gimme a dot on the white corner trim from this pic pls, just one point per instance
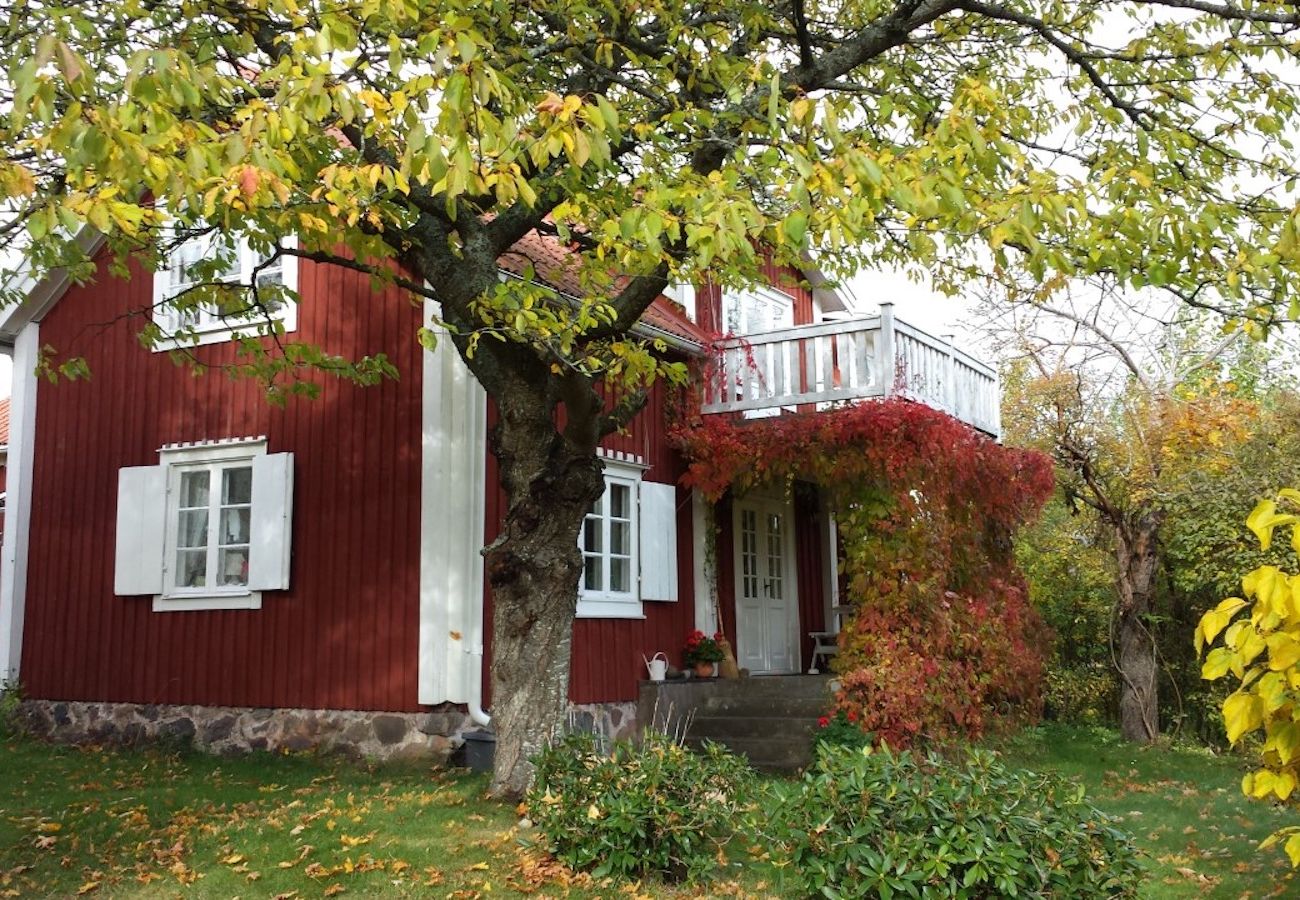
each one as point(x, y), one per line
point(706, 616)
point(453, 499)
point(18, 514)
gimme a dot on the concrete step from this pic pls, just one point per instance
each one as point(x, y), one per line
point(767, 754)
point(723, 728)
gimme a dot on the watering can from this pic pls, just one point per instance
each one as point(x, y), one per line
point(656, 665)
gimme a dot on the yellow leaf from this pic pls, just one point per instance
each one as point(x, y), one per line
point(1292, 848)
point(87, 888)
point(49, 827)
point(1242, 713)
point(1283, 651)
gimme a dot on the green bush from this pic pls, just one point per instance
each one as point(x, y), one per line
point(11, 698)
point(632, 810)
point(866, 823)
point(841, 730)
point(1083, 695)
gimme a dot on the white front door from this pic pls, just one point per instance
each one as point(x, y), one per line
point(767, 617)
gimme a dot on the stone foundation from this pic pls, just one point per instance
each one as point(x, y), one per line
point(615, 721)
point(428, 736)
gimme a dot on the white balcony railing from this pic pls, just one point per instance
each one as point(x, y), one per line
point(813, 366)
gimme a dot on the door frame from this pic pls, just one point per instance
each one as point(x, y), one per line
point(766, 499)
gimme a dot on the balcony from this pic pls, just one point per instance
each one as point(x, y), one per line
point(817, 366)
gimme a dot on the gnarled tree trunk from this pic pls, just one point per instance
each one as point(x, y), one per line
point(1135, 646)
point(551, 479)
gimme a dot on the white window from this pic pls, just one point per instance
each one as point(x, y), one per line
point(214, 321)
point(629, 545)
point(756, 311)
point(207, 528)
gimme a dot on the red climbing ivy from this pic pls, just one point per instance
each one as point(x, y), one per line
point(943, 641)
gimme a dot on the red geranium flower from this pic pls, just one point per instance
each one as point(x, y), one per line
point(823, 722)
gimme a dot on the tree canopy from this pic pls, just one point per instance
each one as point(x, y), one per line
point(661, 141)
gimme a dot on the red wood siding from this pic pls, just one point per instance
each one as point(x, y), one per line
point(345, 635)
point(607, 653)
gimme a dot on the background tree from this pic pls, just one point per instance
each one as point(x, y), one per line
point(1159, 426)
point(418, 141)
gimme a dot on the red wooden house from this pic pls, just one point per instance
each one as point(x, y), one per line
point(183, 558)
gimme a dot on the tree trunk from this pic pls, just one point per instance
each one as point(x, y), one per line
point(1135, 551)
point(551, 479)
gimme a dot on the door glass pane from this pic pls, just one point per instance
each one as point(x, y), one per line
point(194, 489)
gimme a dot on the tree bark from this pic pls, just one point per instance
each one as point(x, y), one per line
point(1135, 551)
point(551, 479)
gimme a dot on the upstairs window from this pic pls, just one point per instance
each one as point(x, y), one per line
point(237, 263)
point(756, 311)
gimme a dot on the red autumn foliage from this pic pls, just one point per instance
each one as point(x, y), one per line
point(943, 641)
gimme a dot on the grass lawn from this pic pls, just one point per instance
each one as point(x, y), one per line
point(148, 824)
point(1183, 805)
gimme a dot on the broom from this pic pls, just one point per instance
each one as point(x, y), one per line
point(728, 667)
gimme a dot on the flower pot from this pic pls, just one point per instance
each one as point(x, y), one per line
point(704, 670)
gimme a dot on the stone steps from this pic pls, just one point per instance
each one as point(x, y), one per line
point(768, 719)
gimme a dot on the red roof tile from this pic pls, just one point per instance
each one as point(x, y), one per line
point(555, 266)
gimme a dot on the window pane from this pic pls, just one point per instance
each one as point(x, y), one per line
point(191, 568)
point(592, 579)
point(232, 566)
point(237, 486)
point(591, 535)
point(235, 525)
point(192, 528)
point(620, 575)
point(194, 489)
point(620, 538)
point(620, 498)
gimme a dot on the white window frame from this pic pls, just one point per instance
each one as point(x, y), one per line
point(212, 328)
point(215, 458)
point(608, 604)
point(734, 308)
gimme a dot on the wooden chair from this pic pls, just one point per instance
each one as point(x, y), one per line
point(827, 643)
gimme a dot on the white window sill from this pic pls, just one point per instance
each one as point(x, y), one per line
point(221, 334)
point(609, 609)
point(197, 602)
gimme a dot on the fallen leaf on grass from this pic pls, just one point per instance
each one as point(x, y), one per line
point(334, 889)
point(87, 888)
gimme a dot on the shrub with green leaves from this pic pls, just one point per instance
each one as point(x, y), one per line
point(631, 810)
point(873, 823)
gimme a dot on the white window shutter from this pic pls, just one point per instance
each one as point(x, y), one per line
point(658, 541)
point(272, 521)
point(141, 530)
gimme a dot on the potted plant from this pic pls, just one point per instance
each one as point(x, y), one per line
point(702, 653)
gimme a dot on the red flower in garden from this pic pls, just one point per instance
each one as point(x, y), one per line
point(823, 722)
